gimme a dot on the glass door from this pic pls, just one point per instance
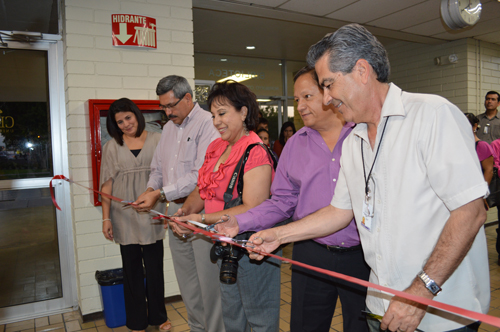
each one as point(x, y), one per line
point(36, 248)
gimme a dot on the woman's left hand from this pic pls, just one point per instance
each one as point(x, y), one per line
point(179, 229)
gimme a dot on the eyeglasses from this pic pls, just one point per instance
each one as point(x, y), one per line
point(170, 106)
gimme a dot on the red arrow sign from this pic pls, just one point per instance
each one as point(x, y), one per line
point(126, 26)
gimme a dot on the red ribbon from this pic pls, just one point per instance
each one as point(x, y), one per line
point(62, 177)
point(491, 320)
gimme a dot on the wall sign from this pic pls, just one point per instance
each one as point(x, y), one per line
point(133, 30)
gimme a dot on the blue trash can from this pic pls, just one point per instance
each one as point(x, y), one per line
point(113, 300)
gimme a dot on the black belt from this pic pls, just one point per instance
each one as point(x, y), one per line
point(339, 249)
point(179, 200)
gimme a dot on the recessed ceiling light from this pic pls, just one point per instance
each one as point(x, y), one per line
point(250, 47)
point(223, 59)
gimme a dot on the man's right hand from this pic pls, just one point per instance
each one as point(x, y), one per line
point(265, 241)
point(229, 228)
point(146, 200)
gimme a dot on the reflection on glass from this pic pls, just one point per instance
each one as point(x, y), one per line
point(29, 252)
point(25, 147)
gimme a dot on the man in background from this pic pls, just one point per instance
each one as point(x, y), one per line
point(489, 121)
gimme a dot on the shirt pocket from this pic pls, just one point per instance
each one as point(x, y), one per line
point(188, 156)
point(495, 131)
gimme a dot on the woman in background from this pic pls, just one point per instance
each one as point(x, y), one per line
point(483, 150)
point(287, 131)
point(125, 169)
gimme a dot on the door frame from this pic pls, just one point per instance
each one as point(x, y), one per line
point(53, 45)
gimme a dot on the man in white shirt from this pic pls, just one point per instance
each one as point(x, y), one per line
point(411, 178)
point(174, 174)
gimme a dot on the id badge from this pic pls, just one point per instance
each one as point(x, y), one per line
point(367, 214)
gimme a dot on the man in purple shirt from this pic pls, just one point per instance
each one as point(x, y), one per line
point(304, 183)
point(174, 173)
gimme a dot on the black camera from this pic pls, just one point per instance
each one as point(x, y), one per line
point(230, 256)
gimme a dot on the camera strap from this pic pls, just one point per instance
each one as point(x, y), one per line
point(239, 171)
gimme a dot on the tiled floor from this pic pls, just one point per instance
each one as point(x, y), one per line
point(72, 321)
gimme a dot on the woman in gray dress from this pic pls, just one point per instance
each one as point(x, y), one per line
point(125, 169)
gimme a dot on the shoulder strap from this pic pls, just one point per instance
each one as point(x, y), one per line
point(239, 170)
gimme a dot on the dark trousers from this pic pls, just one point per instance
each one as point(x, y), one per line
point(141, 313)
point(314, 295)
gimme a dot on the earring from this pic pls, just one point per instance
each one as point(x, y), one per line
point(245, 128)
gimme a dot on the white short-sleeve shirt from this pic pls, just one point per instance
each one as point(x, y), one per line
point(427, 166)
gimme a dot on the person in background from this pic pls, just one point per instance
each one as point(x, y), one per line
point(483, 149)
point(303, 185)
point(489, 121)
point(174, 171)
point(287, 131)
point(264, 137)
point(489, 131)
point(124, 169)
point(263, 124)
point(254, 300)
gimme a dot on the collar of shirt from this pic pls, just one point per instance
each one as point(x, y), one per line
point(189, 116)
point(483, 115)
point(309, 131)
point(392, 107)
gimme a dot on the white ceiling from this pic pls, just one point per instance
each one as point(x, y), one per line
point(284, 29)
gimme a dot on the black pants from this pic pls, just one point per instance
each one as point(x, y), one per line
point(314, 295)
point(141, 313)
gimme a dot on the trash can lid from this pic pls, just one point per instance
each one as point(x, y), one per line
point(109, 277)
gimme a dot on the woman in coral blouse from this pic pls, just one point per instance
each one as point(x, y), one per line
point(255, 297)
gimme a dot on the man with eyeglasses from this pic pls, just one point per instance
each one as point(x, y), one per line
point(174, 173)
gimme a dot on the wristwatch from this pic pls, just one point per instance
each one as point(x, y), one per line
point(429, 283)
point(163, 198)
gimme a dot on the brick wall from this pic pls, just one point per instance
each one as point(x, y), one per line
point(95, 69)
point(464, 83)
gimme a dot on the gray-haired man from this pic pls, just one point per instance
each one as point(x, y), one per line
point(174, 173)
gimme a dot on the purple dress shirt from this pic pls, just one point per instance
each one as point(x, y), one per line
point(305, 181)
point(181, 152)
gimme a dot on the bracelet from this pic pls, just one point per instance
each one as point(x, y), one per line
point(106, 219)
point(203, 218)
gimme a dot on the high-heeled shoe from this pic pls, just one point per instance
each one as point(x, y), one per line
point(166, 326)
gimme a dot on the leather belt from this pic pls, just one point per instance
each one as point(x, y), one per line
point(179, 200)
point(339, 249)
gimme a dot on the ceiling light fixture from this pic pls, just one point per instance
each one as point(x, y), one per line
point(223, 60)
point(250, 47)
point(237, 78)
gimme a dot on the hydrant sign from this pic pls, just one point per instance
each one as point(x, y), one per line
point(133, 30)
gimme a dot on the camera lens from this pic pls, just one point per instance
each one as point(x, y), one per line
point(229, 270)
